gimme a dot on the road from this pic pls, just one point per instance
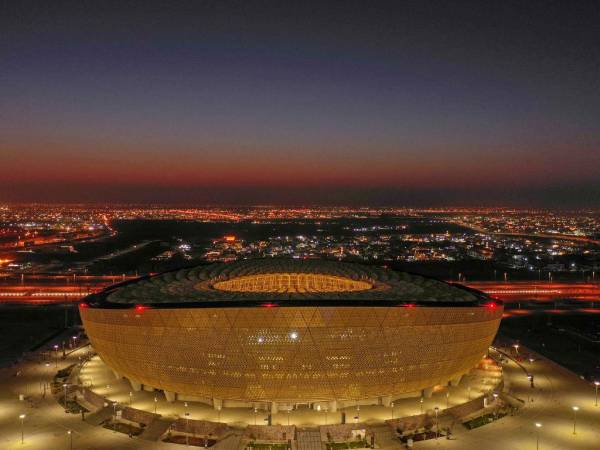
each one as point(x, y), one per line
point(557, 236)
point(60, 289)
point(38, 289)
point(538, 290)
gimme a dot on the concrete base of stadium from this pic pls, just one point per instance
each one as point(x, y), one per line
point(103, 381)
point(275, 407)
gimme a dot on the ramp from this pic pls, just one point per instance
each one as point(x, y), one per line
point(156, 429)
point(231, 442)
point(99, 416)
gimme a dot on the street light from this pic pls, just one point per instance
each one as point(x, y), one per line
point(575, 409)
point(187, 428)
point(47, 378)
point(596, 383)
point(495, 394)
point(130, 398)
point(437, 423)
point(22, 417)
point(114, 417)
point(66, 386)
point(537, 438)
point(56, 355)
point(70, 434)
point(155, 402)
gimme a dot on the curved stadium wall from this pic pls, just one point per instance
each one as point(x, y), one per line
point(273, 331)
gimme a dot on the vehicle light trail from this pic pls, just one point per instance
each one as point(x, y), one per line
point(528, 290)
point(39, 288)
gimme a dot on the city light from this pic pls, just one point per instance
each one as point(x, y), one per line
point(352, 211)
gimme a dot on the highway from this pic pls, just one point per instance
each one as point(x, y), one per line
point(46, 289)
point(557, 236)
point(538, 290)
point(69, 288)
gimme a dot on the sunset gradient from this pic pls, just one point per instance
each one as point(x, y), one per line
point(347, 102)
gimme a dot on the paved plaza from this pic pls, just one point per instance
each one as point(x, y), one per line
point(46, 425)
point(102, 381)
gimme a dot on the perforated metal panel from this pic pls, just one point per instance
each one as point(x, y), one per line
point(292, 353)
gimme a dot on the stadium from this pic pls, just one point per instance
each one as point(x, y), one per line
point(281, 333)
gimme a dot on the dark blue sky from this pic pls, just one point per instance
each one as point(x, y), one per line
point(298, 102)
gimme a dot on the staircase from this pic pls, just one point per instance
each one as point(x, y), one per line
point(309, 440)
point(384, 436)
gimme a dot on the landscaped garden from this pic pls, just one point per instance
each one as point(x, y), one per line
point(124, 428)
point(482, 420)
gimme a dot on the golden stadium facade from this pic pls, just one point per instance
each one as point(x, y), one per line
point(284, 332)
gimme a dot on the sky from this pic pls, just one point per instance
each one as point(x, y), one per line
point(414, 103)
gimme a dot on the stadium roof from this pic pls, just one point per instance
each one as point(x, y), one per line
point(284, 282)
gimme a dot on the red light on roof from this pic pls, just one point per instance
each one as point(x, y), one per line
point(83, 305)
point(269, 305)
point(491, 305)
point(141, 308)
point(409, 305)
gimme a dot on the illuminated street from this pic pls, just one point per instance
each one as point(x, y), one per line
point(47, 289)
point(60, 289)
point(538, 291)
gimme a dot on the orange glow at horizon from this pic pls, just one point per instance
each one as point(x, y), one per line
point(238, 166)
